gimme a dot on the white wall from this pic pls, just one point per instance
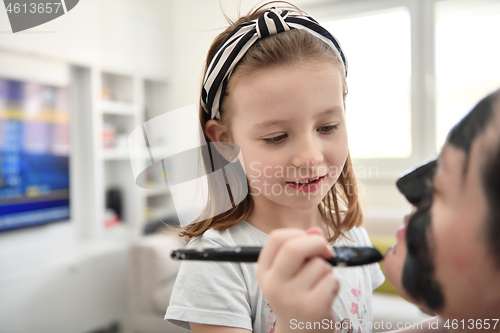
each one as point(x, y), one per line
point(121, 34)
point(49, 280)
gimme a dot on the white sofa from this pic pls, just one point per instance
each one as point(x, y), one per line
point(151, 279)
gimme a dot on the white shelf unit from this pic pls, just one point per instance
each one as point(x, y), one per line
point(117, 108)
point(158, 202)
point(122, 102)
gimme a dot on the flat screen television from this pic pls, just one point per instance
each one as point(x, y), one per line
point(34, 154)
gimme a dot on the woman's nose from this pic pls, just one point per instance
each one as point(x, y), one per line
point(416, 185)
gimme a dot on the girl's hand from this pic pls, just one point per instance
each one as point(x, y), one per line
point(298, 283)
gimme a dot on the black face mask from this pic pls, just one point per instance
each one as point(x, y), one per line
point(417, 186)
point(418, 271)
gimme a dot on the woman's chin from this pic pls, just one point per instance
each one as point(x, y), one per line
point(393, 265)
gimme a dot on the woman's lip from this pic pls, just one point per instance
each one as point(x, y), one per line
point(401, 233)
point(407, 219)
point(391, 249)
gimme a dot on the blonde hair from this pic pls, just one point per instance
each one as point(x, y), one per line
point(285, 48)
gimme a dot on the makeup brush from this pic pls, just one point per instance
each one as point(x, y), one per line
point(343, 255)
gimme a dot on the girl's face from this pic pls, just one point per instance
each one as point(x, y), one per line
point(289, 123)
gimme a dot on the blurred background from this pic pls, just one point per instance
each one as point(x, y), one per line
point(83, 249)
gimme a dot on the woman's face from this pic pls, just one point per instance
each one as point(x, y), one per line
point(289, 123)
point(442, 260)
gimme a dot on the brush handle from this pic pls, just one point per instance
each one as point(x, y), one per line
point(344, 255)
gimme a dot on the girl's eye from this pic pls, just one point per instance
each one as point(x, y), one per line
point(328, 128)
point(276, 139)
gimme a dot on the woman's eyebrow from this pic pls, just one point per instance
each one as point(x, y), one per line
point(268, 123)
point(463, 168)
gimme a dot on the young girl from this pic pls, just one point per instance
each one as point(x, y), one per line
point(275, 85)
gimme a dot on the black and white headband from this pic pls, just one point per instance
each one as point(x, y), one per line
point(235, 46)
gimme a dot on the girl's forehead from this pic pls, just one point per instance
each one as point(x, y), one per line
point(298, 82)
point(308, 65)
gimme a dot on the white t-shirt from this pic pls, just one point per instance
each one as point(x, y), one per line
point(227, 293)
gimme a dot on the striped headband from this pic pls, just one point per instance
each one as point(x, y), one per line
point(238, 42)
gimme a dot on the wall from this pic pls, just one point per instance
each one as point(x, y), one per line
point(118, 34)
point(51, 280)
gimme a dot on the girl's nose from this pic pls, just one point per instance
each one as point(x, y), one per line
point(307, 153)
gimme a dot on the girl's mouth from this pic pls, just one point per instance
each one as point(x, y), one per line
point(310, 186)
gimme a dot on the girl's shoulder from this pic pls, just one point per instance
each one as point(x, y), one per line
point(242, 234)
point(359, 235)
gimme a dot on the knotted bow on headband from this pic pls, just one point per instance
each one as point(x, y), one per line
point(235, 46)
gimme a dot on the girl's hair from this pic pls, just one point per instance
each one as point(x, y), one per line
point(282, 49)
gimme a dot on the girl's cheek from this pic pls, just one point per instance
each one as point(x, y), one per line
point(338, 157)
point(256, 175)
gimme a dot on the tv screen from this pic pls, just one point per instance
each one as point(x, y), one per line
point(34, 154)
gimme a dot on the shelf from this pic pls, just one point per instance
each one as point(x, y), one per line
point(159, 153)
point(117, 108)
point(124, 102)
point(156, 192)
point(159, 213)
point(115, 154)
point(118, 232)
point(117, 87)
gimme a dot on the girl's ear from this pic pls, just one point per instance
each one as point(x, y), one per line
point(215, 131)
